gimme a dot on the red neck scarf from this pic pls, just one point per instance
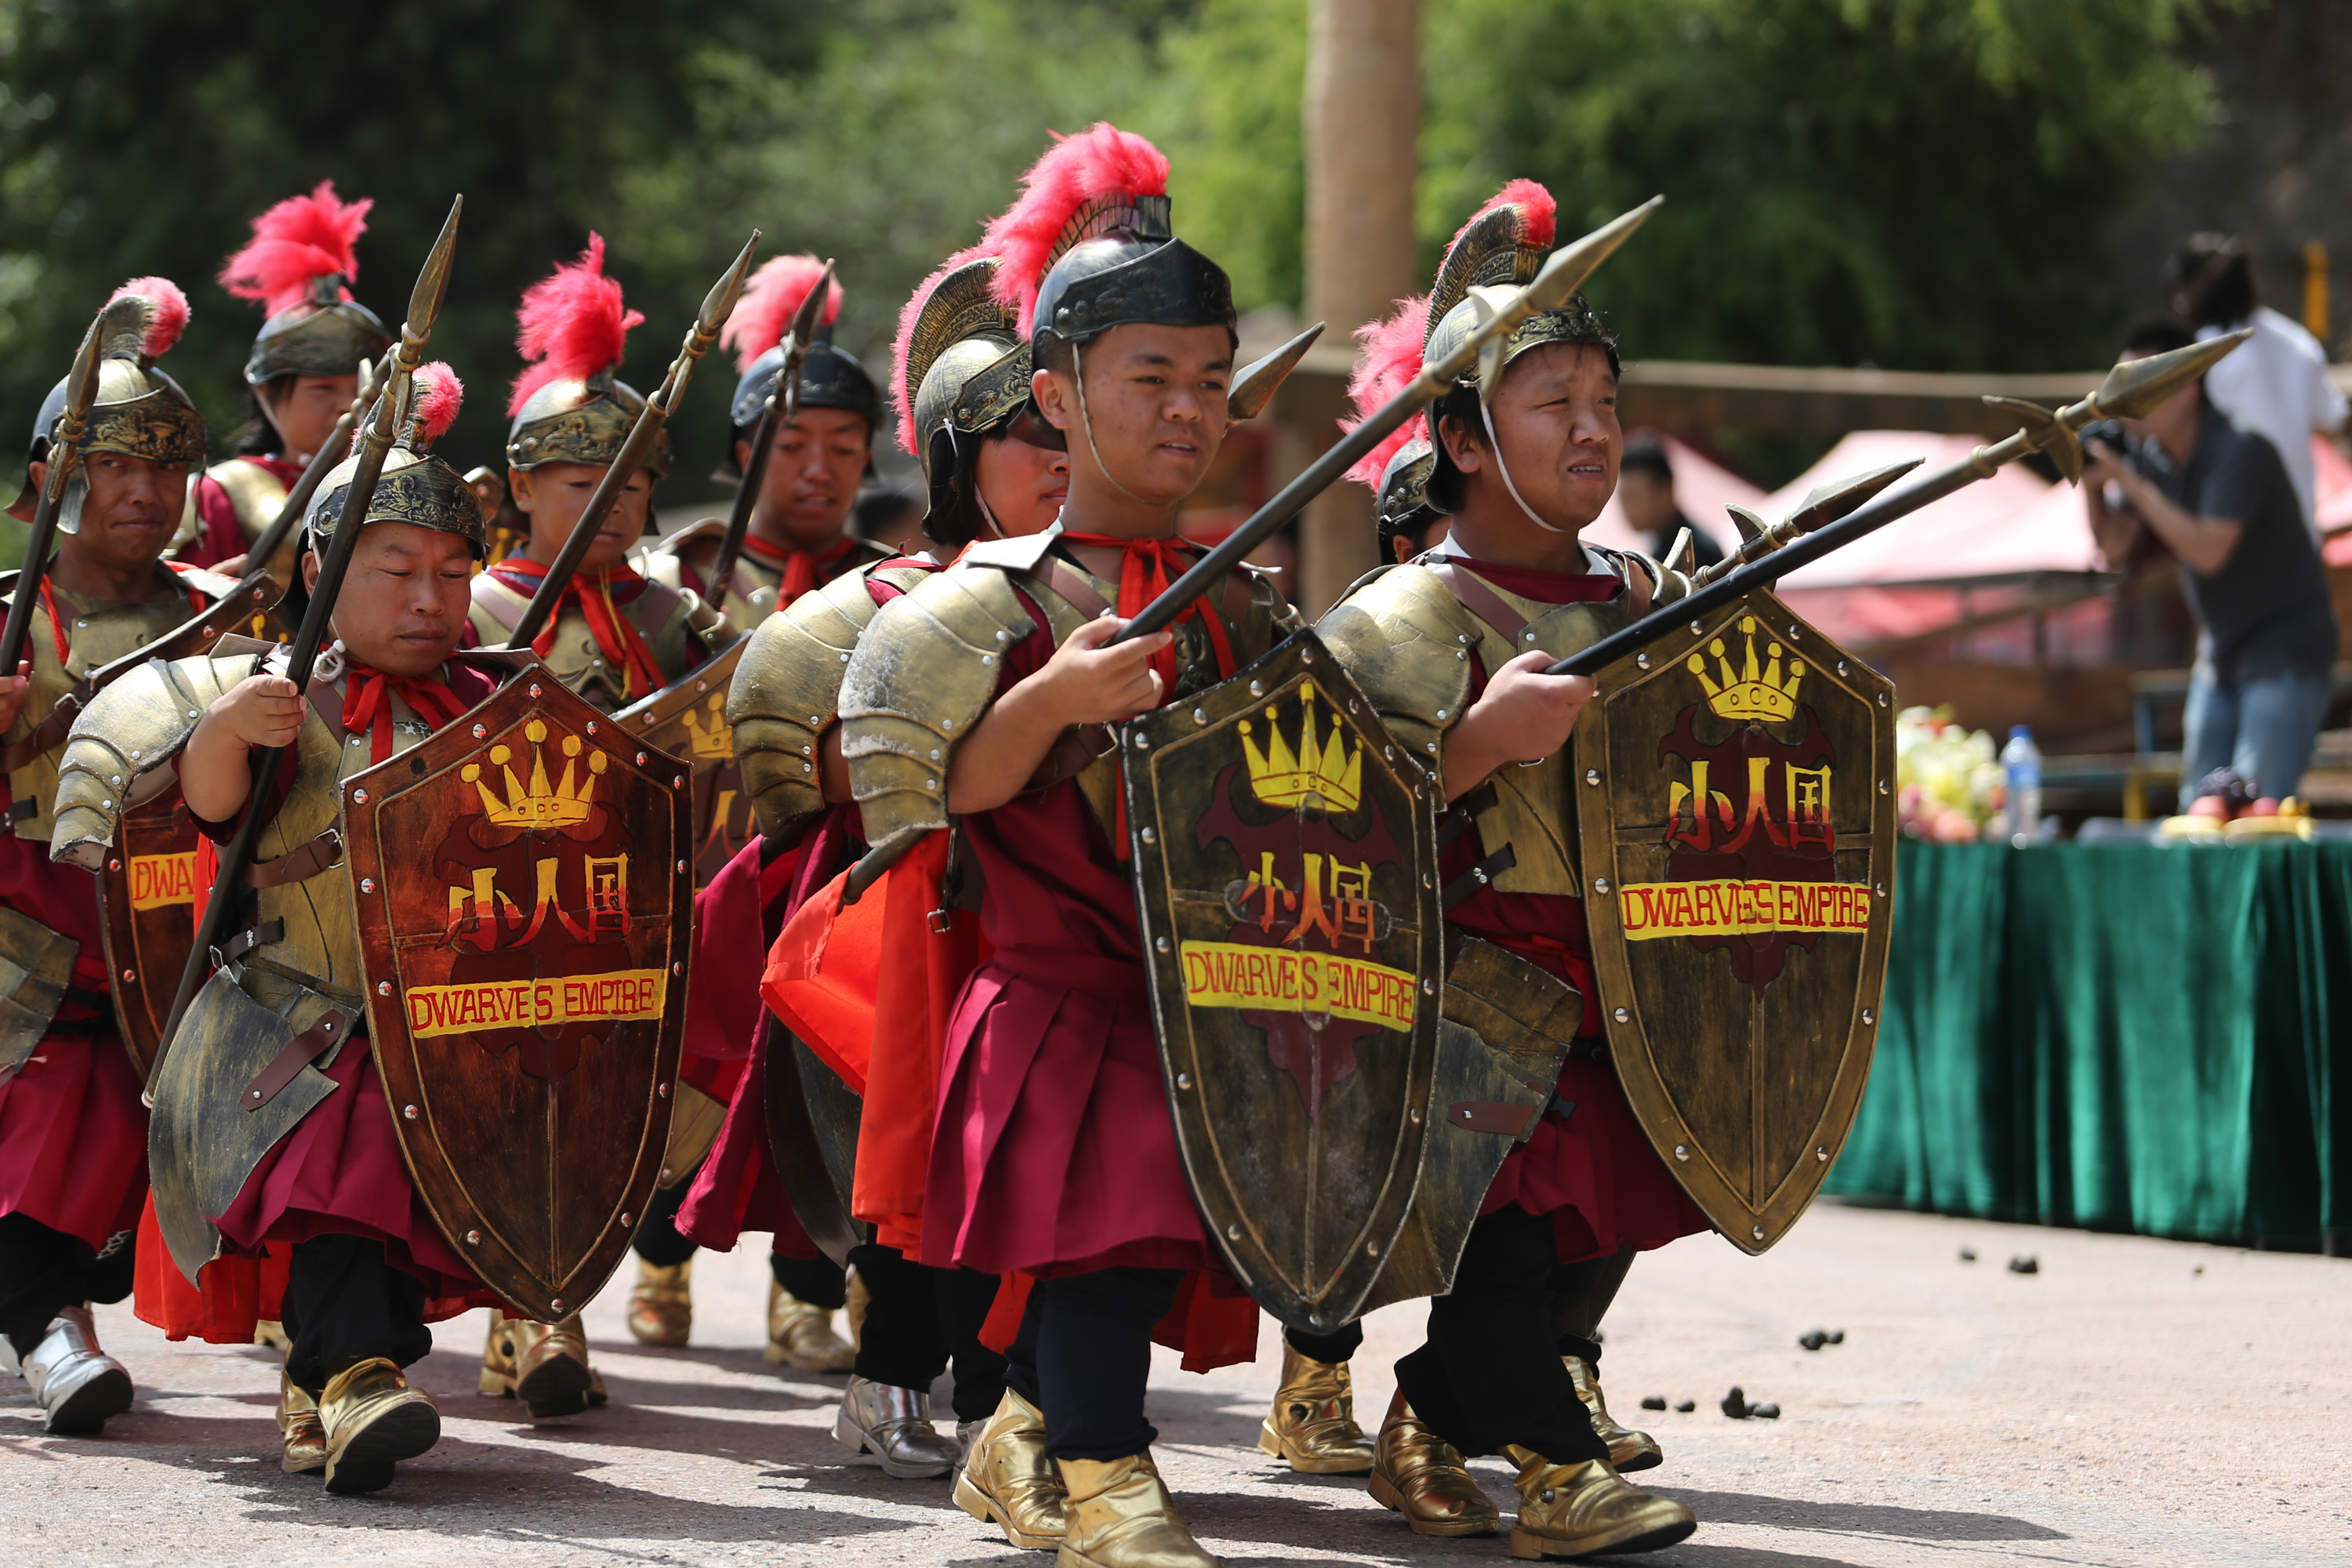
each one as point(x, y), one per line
point(1146, 567)
point(367, 704)
point(616, 635)
point(800, 567)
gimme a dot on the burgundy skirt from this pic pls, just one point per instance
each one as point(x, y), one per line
point(340, 1173)
point(73, 1139)
point(738, 1189)
point(1055, 1151)
point(1597, 1177)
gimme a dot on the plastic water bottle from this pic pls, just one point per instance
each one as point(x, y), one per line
point(2021, 766)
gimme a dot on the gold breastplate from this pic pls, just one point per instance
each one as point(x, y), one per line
point(661, 616)
point(257, 496)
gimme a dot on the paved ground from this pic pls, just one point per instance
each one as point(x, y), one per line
point(2135, 1402)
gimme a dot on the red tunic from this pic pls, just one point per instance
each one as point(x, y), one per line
point(1596, 1174)
point(221, 537)
point(1055, 1152)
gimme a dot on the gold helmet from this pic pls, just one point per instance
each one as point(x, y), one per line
point(298, 265)
point(568, 406)
point(963, 374)
point(141, 412)
point(415, 486)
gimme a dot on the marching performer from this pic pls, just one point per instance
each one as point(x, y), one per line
point(1451, 647)
point(304, 1153)
point(798, 537)
point(303, 370)
point(981, 693)
point(73, 1135)
point(961, 387)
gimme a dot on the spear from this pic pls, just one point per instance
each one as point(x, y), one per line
point(717, 306)
point(2131, 390)
point(1562, 275)
point(392, 407)
point(65, 451)
point(782, 402)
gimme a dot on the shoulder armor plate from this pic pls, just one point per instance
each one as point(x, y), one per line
point(115, 749)
point(922, 675)
point(787, 692)
point(1406, 641)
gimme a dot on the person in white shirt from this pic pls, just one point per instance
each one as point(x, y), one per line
point(2276, 385)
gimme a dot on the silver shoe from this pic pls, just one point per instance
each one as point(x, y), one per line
point(77, 1384)
point(894, 1425)
point(967, 1434)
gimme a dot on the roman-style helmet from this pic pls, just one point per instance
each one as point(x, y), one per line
point(301, 264)
point(140, 411)
point(960, 374)
point(1503, 245)
point(1088, 247)
point(567, 406)
point(831, 376)
point(417, 487)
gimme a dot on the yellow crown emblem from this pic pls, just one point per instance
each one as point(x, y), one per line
point(709, 736)
point(1319, 773)
point(538, 804)
point(1750, 691)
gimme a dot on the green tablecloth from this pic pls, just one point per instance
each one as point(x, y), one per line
point(2118, 1036)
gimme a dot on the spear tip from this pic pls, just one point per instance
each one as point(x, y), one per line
point(2135, 386)
point(1572, 264)
point(433, 281)
point(719, 303)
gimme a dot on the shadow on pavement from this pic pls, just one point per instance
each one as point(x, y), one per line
point(1858, 1519)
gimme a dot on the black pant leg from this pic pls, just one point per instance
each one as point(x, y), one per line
point(44, 1271)
point(344, 1302)
point(1340, 1345)
point(1490, 1373)
point(657, 1240)
point(818, 1280)
point(901, 1343)
point(1021, 1355)
point(963, 1296)
point(1094, 1359)
point(1581, 1297)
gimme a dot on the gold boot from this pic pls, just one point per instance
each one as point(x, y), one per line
point(543, 1365)
point(1576, 1511)
point(661, 1306)
point(1007, 1479)
point(305, 1435)
point(1313, 1422)
point(374, 1420)
point(1628, 1449)
point(1120, 1516)
point(801, 1336)
point(271, 1333)
point(855, 1300)
point(1425, 1478)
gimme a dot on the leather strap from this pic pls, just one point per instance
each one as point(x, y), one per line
point(321, 854)
point(1462, 813)
point(293, 1056)
point(244, 942)
point(328, 704)
point(1081, 593)
point(1478, 879)
point(1489, 1116)
point(50, 732)
point(1481, 600)
point(23, 810)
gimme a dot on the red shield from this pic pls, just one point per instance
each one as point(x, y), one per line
point(688, 718)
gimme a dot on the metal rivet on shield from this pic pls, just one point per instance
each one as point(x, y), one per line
point(698, 686)
point(557, 1303)
point(1429, 987)
point(472, 1238)
point(1161, 944)
point(1821, 1152)
point(628, 1218)
point(1840, 667)
point(1868, 1017)
point(1149, 836)
point(1371, 1249)
point(384, 987)
point(1756, 1231)
point(1698, 629)
point(1642, 660)
point(677, 969)
point(1881, 700)
point(114, 865)
point(1882, 889)
point(534, 689)
point(592, 726)
point(1183, 1080)
point(1257, 689)
point(681, 865)
point(367, 884)
point(1233, 1233)
point(1882, 787)
point(679, 782)
point(1623, 1016)
point(360, 796)
point(1599, 884)
point(1200, 716)
point(641, 758)
point(130, 974)
point(1413, 1116)
point(409, 1111)
point(1795, 633)
point(1143, 743)
point(1682, 1151)
point(1306, 655)
point(644, 718)
point(662, 1089)
point(1592, 775)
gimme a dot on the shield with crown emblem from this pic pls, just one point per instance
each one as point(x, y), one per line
point(1286, 861)
point(1738, 832)
point(688, 718)
point(525, 894)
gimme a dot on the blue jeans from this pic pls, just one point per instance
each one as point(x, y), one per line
point(2263, 728)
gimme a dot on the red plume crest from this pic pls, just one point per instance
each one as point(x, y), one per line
point(573, 325)
point(1388, 357)
point(1538, 213)
point(167, 313)
point(1101, 162)
point(300, 240)
point(439, 395)
point(903, 344)
point(772, 297)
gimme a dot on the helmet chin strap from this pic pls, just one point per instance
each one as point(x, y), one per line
point(1495, 445)
point(1087, 423)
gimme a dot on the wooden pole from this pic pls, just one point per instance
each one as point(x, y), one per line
point(1362, 132)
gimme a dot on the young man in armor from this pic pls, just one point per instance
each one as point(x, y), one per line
point(798, 538)
point(976, 694)
point(1452, 647)
point(73, 1134)
point(306, 1158)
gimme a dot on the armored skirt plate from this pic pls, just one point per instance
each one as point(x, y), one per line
point(525, 898)
point(1285, 857)
point(1738, 832)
